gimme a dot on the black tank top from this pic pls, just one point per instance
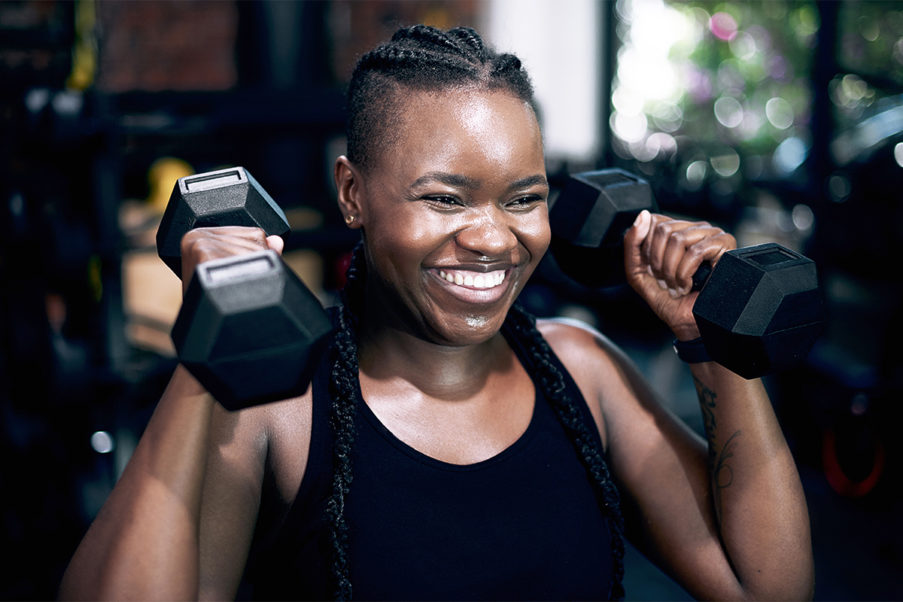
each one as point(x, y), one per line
point(522, 525)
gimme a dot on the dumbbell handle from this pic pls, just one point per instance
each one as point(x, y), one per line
point(701, 276)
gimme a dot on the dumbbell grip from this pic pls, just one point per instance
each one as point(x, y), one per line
point(220, 271)
point(701, 275)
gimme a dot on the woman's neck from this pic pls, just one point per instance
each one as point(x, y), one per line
point(437, 370)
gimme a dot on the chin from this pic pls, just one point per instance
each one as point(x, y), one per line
point(469, 330)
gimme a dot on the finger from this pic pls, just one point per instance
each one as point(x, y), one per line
point(666, 236)
point(276, 243)
point(681, 242)
point(709, 249)
point(634, 239)
point(251, 235)
point(224, 237)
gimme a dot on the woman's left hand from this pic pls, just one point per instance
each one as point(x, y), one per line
point(660, 256)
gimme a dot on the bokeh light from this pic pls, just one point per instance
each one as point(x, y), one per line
point(102, 442)
point(728, 112)
point(779, 113)
point(710, 74)
point(723, 26)
point(726, 163)
point(789, 155)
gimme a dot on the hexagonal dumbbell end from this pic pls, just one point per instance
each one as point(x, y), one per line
point(249, 330)
point(227, 197)
point(761, 309)
point(589, 219)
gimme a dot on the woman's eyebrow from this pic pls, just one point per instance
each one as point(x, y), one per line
point(538, 179)
point(450, 179)
point(462, 181)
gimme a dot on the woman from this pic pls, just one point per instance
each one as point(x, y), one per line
point(448, 447)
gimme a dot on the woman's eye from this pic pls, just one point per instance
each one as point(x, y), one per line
point(444, 200)
point(525, 202)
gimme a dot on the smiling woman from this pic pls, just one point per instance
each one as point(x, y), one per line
point(451, 446)
point(471, 204)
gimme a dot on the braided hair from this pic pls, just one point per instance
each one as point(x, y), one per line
point(424, 58)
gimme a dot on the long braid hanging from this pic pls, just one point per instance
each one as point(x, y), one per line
point(343, 386)
point(552, 382)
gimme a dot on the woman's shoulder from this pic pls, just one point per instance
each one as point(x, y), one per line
point(604, 374)
point(576, 341)
point(267, 438)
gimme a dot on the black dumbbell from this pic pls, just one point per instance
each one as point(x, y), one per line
point(248, 329)
point(759, 311)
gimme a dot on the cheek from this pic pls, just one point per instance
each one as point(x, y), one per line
point(409, 230)
point(536, 234)
point(400, 243)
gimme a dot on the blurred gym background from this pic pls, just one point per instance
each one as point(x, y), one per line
point(779, 120)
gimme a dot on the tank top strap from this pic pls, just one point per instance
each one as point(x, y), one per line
point(516, 337)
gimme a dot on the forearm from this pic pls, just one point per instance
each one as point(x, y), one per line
point(144, 542)
point(758, 500)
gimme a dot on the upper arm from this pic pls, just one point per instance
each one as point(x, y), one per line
point(231, 496)
point(659, 463)
point(244, 446)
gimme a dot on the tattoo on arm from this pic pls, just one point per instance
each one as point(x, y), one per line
point(707, 399)
point(722, 474)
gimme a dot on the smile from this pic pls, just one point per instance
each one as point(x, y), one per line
point(474, 280)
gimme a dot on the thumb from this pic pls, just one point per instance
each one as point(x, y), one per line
point(633, 240)
point(276, 243)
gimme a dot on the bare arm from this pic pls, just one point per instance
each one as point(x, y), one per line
point(757, 546)
point(733, 522)
point(193, 484)
point(758, 501)
point(144, 541)
point(726, 518)
point(179, 523)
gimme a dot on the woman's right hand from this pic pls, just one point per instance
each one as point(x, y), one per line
point(204, 244)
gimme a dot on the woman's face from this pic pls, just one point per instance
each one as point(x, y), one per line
point(455, 214)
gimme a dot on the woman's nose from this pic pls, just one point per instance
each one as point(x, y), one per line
point(488, 233)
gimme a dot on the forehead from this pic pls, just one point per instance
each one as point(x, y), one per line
point(456, 127)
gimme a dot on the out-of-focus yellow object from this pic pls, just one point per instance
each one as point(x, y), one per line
point(84, 50)
point(161, 177)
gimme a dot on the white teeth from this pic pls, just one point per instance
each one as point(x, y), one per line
point(481, 281)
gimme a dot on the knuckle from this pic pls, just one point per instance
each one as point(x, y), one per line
point(189, 241)
point(663, 228)
point(678, 238)
point(696, 251)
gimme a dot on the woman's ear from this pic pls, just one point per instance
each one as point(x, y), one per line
point(349, 187)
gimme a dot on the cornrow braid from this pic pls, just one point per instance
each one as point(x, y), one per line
point(424, 33)
point(551, 381)
point(471, 38)
point(420, 58)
